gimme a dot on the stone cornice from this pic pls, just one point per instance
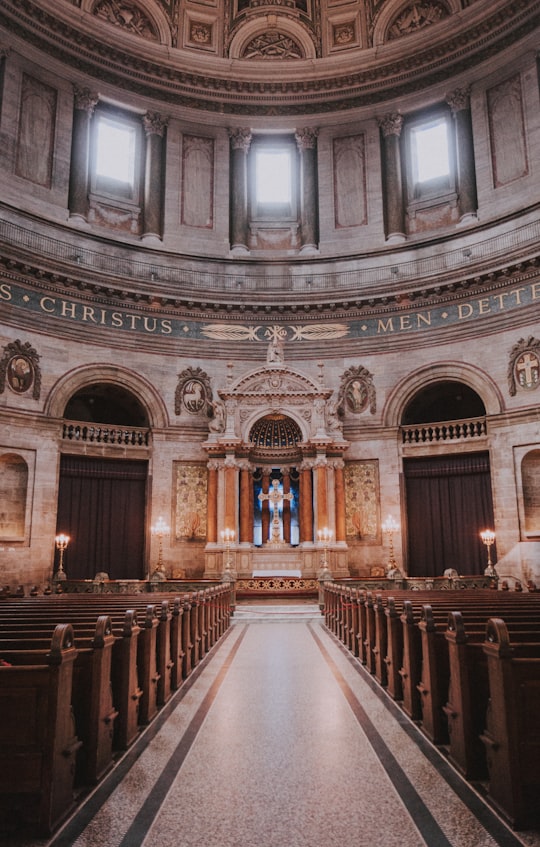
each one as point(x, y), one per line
point(161, 73)
point(480, 285)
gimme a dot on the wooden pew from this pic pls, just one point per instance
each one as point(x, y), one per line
point(512, 733)
point(468, 688)
point(38, 742)
point(92, 698)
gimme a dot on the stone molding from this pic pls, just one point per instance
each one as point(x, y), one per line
point(169, 78)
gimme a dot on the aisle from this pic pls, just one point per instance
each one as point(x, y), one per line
point(282, 740)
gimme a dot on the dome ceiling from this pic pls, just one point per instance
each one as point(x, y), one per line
point(221, 55)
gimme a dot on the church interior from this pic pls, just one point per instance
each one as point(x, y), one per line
point(270, 402)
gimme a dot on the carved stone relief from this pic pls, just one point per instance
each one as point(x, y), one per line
point(128, 16)
point(193, 392)
point(524, 365)
point(19, 369)
point(357, 392)
point(416, 16)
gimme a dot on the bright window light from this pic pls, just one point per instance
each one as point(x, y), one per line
point(430, 146)
point(115, 151)
point(273, 176)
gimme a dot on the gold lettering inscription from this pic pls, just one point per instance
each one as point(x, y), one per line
point(5, 291)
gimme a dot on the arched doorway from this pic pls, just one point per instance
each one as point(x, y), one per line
point(102, 489)
point(448, 488)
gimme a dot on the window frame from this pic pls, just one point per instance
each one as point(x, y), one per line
point(436, 189)
point(126, 193)
point(273, 212)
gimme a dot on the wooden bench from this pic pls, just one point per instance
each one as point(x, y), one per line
point(38, 742)
point(92, 697)
point(512, 733)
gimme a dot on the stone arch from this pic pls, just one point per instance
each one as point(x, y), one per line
point(476, 379)
point(277, 389)
point(258, 26)
point(391, 11)
point(81, 377)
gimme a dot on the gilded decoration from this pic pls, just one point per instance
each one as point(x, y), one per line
point(20, 370)
point(191, 499)
point(524, 365)
point(311, 332)
point(361, 500)
point(193, 392)
point(272, 584)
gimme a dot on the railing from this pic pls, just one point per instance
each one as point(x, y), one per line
point(91, 433)
point(464, 430)
point(183, 273)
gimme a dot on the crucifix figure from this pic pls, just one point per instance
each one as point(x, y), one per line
point(275, 497)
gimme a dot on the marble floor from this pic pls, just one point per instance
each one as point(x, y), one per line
point(281, 739)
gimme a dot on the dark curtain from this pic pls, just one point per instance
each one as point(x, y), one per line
point(449, 503)
point(101, 506)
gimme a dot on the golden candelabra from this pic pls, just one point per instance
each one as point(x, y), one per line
point(61, 542)
point(325, 537)
point(227, 536)
point(389, 527)
point(488, 537)
point(159, 530)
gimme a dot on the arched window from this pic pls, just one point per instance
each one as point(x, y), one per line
point(443, 401)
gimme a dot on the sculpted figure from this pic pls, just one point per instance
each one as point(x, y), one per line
point(217, 421)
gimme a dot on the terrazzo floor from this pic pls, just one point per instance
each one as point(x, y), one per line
point(281, 739)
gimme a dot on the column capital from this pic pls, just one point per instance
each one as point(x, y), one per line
point(85, 100)
point(154, 124)
point(459, 99)
point(306, 139)
point(391, 124)
point(214, 464)
point(240, 139)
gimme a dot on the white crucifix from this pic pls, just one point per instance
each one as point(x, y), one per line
point(275, 498)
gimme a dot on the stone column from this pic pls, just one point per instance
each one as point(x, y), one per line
point(240, 144)
point(286, 506)
point(306, 140)
point(339, 489)
point(322, 493)
point(265, 506)
point(459, 102)
point(154, 128)
point(246, 504)
point(306, 503)
point(212, 503)
point(84, 104)
point(231, 494)
point(395, 220)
